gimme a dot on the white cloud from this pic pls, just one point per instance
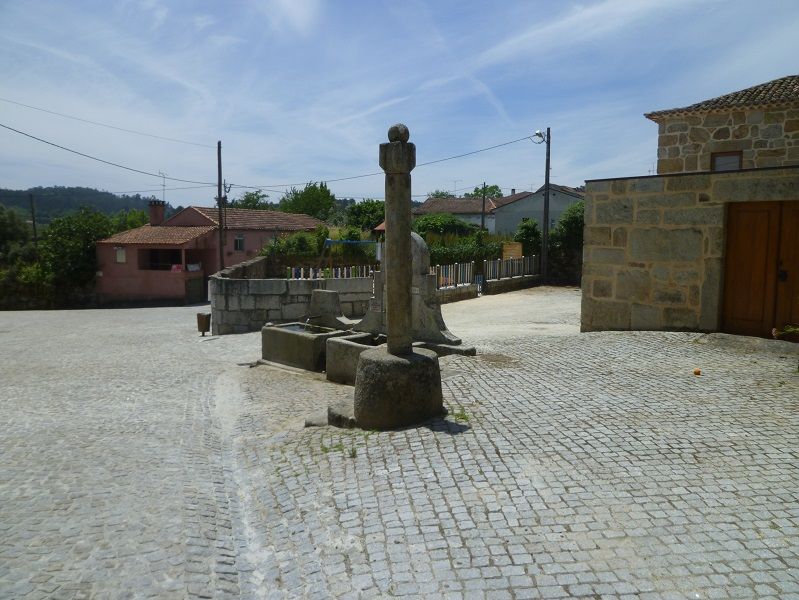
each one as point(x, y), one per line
point(203, 21)
point(580, 24)
point(158, 13)
point(299, 16)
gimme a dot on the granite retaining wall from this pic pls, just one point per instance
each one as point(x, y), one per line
point(242, 305)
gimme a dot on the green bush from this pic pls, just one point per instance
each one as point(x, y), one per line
point(441, 224)
point(530, 236)
point(473, 248)
point(321, 233)
point(350, 252)
point(300, 244)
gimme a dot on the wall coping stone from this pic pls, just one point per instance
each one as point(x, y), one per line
point(694, 173)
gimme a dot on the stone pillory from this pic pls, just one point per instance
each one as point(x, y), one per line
point(399, 385)
point(397, 159)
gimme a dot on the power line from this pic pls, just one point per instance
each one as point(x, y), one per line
point(424, 164)
point(107, 162)
point(188, 187)
point(152, 135)
point(269, 188)
point(432, 162)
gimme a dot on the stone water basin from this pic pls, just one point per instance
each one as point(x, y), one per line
point(297, 344)
point(343, 353)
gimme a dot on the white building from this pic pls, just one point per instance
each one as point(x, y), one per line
point(530, 205)
point(503, 215)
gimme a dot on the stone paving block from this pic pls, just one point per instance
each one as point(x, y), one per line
point(595, 465)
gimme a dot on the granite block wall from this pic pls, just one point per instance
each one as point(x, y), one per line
point(653, 255)
point(765, 138)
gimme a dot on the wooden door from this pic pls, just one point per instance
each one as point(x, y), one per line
point(750, 269)
point(787, 311)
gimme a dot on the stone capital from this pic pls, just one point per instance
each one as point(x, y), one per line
point(397, 158)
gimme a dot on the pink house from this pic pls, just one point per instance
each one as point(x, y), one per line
point(171, 260)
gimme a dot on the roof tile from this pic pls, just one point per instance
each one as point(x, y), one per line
point(162, 235)
point(247, 218)
point(779, 92)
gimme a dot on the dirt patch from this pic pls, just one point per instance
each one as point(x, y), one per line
point(498, 360)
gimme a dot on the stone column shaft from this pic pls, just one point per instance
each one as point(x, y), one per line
point(397, 159)
point(398, 263)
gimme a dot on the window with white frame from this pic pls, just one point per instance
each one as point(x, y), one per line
point(119, 255)
point(238, 243)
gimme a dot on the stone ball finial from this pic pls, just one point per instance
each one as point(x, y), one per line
point(398, 133)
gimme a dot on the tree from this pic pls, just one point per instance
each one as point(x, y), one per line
point(315, 200)
point(14, 234)
point(255, 200)
point(441, 223)
point(367, 214)
point(338, 216)
point(67, 250)
point(129, 219)
point(566, 243)
point(530, 236)
point(440, 194)
point(492, 191)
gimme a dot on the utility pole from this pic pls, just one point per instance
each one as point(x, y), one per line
point(483, 214)
point(545, 230)
point(220, 200)
point(455, 187)
point(33, 222)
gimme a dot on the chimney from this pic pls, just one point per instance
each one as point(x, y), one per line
point(512, 191)
point(157, 210)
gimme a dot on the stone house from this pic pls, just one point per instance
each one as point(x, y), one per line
point(171, 260)
point(503, 215)
point(711, 242)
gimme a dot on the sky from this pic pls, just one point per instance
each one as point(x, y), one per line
point(305, 90)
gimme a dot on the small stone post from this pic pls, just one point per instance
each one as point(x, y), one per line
point(397, 159)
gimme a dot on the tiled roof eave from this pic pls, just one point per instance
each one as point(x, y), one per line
point(159, 235)
point(153, 244)
point(659, 115)
point(268, 228)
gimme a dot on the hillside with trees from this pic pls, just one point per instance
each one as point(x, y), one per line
point(59, 201)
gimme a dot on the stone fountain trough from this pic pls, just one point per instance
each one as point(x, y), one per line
point(298, 345)
point(341, 360)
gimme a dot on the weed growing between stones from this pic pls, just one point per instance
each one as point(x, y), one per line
point(461, 415)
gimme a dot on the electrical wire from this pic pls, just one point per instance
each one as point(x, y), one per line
point(107, 162)
point(424, 164)
point(189, 187)
point(269, 188)
point(433, 162)
point(152, 135)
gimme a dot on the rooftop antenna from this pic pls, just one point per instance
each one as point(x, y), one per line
point(163, 186)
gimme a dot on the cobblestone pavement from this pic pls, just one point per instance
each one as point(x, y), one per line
point(112, 480)
point(571, 465)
